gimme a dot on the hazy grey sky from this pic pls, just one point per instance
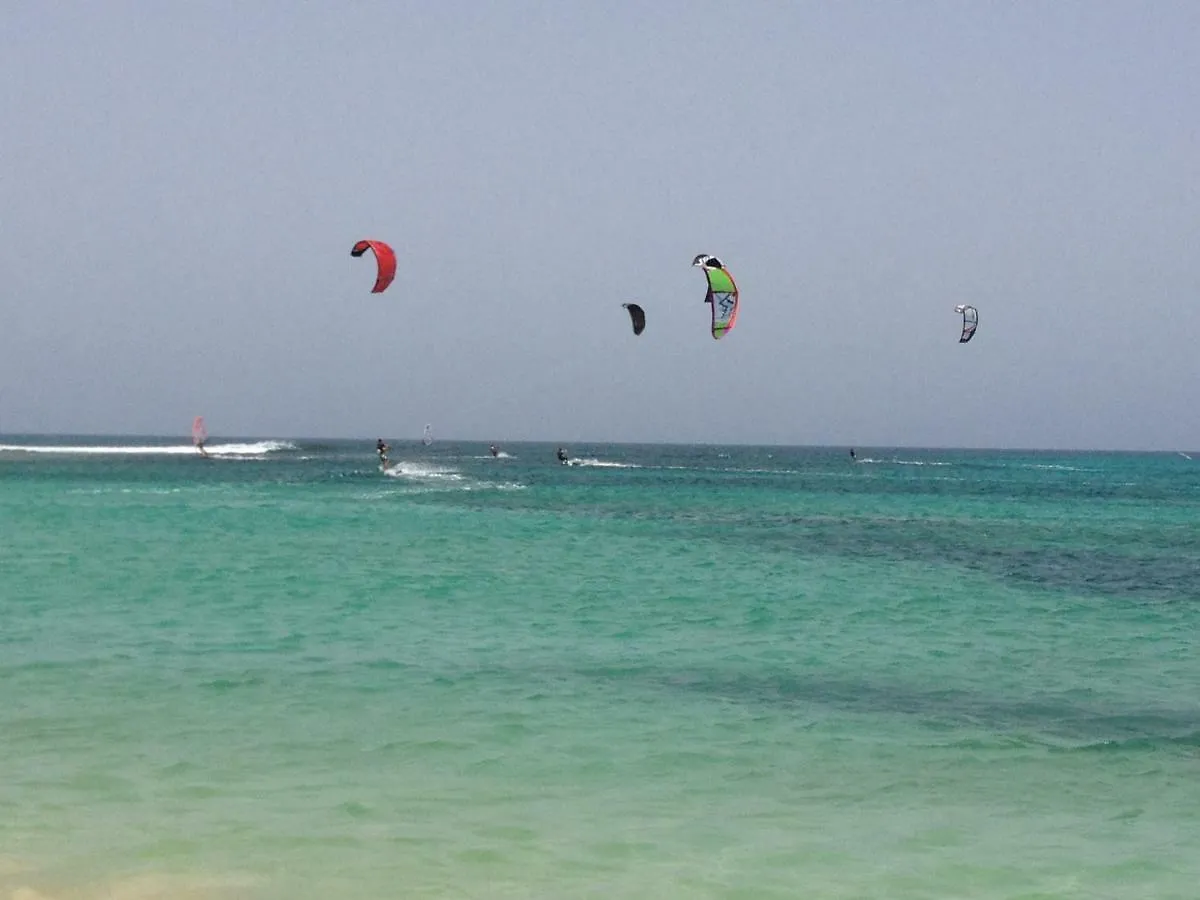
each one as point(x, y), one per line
point(180, 186)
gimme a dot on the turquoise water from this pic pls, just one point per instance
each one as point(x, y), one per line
point(668, 672)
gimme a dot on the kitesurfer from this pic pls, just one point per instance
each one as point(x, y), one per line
point(562, 456)
point(492, 449)
point(853, 458)
point(382, 449)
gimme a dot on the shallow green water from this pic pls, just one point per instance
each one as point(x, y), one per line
point(668, 672)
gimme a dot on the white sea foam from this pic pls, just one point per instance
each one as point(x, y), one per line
point(492, 486)
point(866, 460)
point(256, 448)
point(422, 478)
point(151, 887)
point(603, 464)
point(764, 471)
point(422, 472)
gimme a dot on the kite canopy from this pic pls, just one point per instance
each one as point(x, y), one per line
point(970, 322)
point(637, 317)
point(385, 257)
point(722, 294)
point(199, 432)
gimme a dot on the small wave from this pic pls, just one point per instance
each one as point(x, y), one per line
point(765, 471)
point(494, 486)
point(602, 464)
point(867, 460)
point(141, 491)
point(151, 887)
point(1186, 741)
point(416, 487)
point(256, 448)
point(421, 472)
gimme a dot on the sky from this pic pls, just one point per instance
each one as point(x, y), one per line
point(180, 186)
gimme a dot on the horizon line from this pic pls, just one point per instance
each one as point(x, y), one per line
point(638, 443)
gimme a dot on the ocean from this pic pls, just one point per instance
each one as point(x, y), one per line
point(666, 672)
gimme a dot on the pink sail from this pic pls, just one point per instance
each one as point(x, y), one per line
point(199, 432)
